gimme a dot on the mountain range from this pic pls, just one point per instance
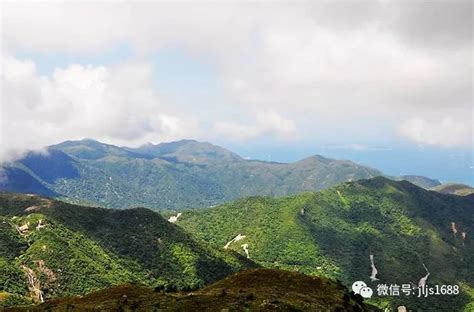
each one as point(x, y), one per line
point(53, 249)
point(176, 175)
point(72, 229)
point(406, 230)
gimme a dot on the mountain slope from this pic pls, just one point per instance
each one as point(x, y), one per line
point(250, 290)
point(333, 233)
point(13, 179)
point(52, 249)
point(454, 188)
point(420, 181)
point(175, 175)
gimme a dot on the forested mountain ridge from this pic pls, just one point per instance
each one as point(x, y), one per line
point(53, 249)
point(333, 233)
point(176, 175)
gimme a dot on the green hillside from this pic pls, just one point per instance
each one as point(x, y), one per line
point(52, 249)
point(250, 290)
point(177, 175)
point(333, 232)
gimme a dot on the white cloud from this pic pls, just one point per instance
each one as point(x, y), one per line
point(358, 147)
point(116, 104)
point(321, 70)
point(266, 123)
point(443, 132)
point(73, 27)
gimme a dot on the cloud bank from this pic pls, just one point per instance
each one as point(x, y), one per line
point(116, 104)
point(361, 71)
point(444, 132)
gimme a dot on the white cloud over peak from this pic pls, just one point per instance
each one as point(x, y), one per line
point(117, 104)
point(266, 123)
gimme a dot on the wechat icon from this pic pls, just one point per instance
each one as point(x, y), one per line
point(361, 288)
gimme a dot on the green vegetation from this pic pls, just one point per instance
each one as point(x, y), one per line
point(175, 175)
point(470, 292)
point(332, 233)
point(53, 249)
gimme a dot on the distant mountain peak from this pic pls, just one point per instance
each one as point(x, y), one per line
point(93, 149)
point(315, 158)
point(84, 141)
point(187, 150)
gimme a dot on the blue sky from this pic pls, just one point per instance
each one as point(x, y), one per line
point(272, 82)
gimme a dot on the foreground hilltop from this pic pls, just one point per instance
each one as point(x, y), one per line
point(174, 175)
point(53, 249)
point(250, 290)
